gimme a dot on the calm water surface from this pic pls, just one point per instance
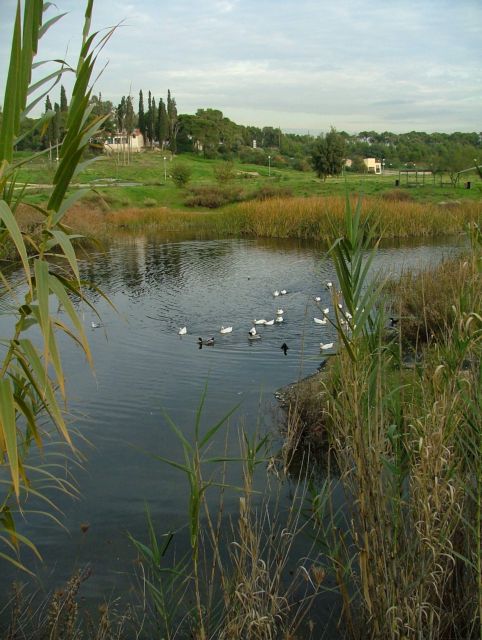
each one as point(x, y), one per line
point(143, 368)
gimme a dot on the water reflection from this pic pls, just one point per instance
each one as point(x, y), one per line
point(144, 368)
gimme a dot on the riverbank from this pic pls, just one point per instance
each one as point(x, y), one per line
point(393, 422)
point(316, 218)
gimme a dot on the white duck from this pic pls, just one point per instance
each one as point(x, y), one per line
point(279, 312)
point(283, 292)
point(182, 331)
point(252, 331)
point(276, 293)
point(279, 319)
point(325, 347)
point(320, 320)
point(263, 321)
point(326, 311)
point(269, 323)
point(225, 329)
point(317, 298)
point(95, 325)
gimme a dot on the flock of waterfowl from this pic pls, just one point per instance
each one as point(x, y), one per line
point(254, 335)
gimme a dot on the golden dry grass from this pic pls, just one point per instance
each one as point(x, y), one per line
point(301, 218)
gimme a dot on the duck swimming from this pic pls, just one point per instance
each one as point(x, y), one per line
point(252, 331)
point(320, 320)
point(269, 323)
point(182, 331)
point(263, 321)
point(325, 347)
point(279, 319)
point(208, 342)
point(225, 329)
point(284, 347)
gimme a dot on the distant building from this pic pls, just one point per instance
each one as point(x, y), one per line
point(373, 165)
point(121, 142)
point(348, 163)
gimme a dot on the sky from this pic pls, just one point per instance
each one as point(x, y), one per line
point(302, 65)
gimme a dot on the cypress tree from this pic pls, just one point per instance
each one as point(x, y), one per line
point(141, 117)
point(172, 120)
point(49, 133)
point(162, 124)
point(121, 114)
point(63, 99)
point(149, 123)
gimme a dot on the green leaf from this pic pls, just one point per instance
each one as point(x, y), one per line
point(64, 242)
point(10, 223)
point(9, 429)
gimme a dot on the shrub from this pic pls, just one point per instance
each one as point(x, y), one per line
point(149, 202)
point(397, 195)
point(269, 191)
point(213, 197)
point(181, 174)
point(224, 172)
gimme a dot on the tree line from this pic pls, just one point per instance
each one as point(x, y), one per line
point(209, 133)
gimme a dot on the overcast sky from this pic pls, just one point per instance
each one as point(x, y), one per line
point(396, 65)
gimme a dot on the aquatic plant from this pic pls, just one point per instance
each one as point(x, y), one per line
point(405, 445)
point(32, 383)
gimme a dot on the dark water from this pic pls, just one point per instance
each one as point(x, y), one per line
point(144, 368)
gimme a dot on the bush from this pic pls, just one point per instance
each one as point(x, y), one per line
point(224, 172)
point(269, 191)
point(212, 197)
point(181, 174)
point(397, 195)
point(149, 202)
point(301, 164)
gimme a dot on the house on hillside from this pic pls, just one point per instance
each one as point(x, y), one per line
point(121, 142)
point(373, 165)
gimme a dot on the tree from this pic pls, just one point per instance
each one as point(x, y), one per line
point(328, 154)
point(162, 124)
point(49, 132)
point(63, 99)
point(149, 120)
point(141, 118)
point(181, 174)
point(172, 120)
point(120, 113)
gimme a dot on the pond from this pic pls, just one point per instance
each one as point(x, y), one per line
point(143, 369)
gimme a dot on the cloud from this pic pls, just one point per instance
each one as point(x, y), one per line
point(296, 63)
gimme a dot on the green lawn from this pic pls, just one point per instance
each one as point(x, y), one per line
point(147, 169)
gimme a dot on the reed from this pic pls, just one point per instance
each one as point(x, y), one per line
point(302, 218)
point(236, 572)
point(405, 446)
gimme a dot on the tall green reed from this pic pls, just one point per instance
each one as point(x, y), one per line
point(405, 448)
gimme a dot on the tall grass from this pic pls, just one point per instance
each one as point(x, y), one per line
point(405, 446)
point(301, 218)
point(235, 581)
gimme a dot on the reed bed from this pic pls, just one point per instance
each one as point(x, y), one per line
point(405, 447)
point(317, 218)
point(301, 218)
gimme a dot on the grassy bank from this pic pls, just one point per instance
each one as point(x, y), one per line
point(396, 416)
point(154, 187)
point(301, 218)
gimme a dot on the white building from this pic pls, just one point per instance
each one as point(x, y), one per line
point(121, 143)
point(373, 165)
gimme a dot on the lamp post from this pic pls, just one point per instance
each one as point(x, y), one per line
point(383, 166)
point(165, 170)
point(269, 166)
